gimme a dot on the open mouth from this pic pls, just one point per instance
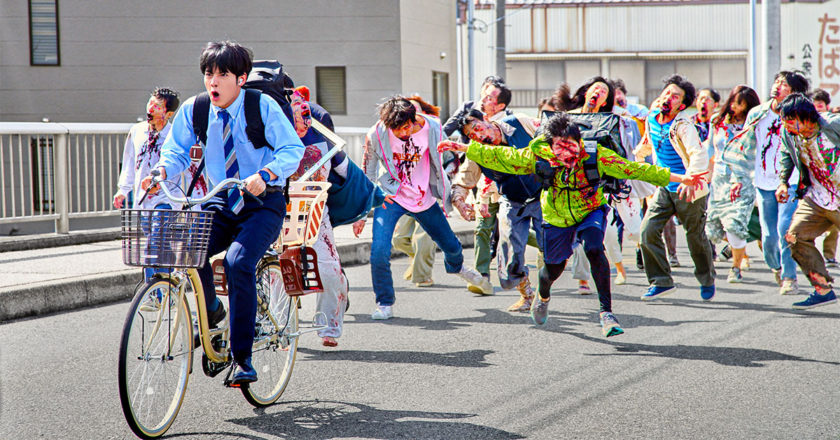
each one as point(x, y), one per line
point(666, 108)
point(149, 117)
point(214, 95)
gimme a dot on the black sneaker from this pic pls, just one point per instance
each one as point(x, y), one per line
point(640, 263)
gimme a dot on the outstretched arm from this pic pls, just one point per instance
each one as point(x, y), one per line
point(502, 158)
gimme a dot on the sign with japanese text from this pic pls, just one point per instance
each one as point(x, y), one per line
point(811, 44)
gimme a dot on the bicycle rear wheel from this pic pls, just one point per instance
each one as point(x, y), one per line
point(275, 341)
point(155, 359)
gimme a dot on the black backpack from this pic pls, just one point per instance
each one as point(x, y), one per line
point(596, 129)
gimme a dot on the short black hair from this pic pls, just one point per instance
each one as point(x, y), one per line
point(712, 92)
point(686, 86)
point(227, 56)
point(168, 96)
point(396, 111)
point(560, 125)
point(821, 95)
point(499, 83)
point(798, 106)
point(493, 79)
point(618, 84)
point(469, 116)
point(797, 82)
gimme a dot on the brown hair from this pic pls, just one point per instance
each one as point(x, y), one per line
point(425, 107)
point(396, 111)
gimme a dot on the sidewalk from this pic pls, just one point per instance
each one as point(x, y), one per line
point(59, 278)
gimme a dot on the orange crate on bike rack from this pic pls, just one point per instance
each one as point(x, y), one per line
point(219, 278)
point(304, 211)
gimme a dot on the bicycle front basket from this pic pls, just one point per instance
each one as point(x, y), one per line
point(165, 238)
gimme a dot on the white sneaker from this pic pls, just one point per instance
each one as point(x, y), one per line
point(383, 312)
point(789, 287)
point(152, 303)
point(620, 279)
point(476, 279)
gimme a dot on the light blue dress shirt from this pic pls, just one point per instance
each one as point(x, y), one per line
point(283, 160)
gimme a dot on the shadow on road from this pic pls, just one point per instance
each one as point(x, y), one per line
point(729, 356)
point(677, 299)
point(468, 358)
point(488, 316)
point(330, 419)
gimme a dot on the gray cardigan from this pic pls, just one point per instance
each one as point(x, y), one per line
point(830, 127)
point(378, 151)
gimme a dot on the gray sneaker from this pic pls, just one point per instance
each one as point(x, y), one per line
point(734, 275)
point(673, 261)
point(539, 311)
point(610, 325)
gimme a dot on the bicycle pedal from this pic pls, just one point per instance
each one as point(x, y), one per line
point(212, 369)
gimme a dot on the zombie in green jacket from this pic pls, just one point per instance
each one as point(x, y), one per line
point(573, 208)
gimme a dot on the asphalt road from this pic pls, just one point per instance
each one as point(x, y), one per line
point(452, 365)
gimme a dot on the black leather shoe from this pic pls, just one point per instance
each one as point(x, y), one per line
point(640, 263)
point(216, 316)
point(245, 373)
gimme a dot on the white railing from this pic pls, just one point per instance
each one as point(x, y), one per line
point(59, 171)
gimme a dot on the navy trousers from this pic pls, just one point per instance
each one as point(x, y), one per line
point(246, 236)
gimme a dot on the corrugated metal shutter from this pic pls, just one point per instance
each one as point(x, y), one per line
point(331, 89)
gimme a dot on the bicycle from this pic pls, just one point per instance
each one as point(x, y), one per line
point(156, 347)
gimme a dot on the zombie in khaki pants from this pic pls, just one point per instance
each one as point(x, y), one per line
point(811, 144)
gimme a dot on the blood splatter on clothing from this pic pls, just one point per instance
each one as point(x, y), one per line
point(820, 157)
point(571, 198)
point(412, 167)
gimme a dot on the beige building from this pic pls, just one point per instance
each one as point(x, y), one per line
point(96, 61)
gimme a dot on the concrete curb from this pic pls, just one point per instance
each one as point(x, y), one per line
point(80, 292)
point(43, 241)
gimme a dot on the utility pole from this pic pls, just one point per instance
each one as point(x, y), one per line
point(771, 43)
point(471, 49)
point(500, 39)
point(753, 78)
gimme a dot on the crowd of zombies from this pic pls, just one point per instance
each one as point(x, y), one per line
point(728, 170)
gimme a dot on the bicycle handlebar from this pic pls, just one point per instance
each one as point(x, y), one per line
point(191, 201)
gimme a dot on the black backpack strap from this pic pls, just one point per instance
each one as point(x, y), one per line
point(201, 110)
point(590, 166)
point(254, 125)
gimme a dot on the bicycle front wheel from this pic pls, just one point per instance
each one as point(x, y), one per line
point(275, 340)
point(155, 358)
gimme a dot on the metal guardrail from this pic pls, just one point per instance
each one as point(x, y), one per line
point(59, 171)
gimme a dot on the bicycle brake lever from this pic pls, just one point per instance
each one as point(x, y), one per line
point(155, 173)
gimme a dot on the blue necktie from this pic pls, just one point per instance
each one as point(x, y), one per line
point(235, 201)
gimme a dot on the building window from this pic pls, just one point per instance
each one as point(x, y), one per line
point(43, 33)
point(331, 89)
point(440, 93)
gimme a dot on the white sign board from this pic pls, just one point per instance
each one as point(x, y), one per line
point(811, 43)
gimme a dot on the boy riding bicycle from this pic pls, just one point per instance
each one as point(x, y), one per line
point(241, 225)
